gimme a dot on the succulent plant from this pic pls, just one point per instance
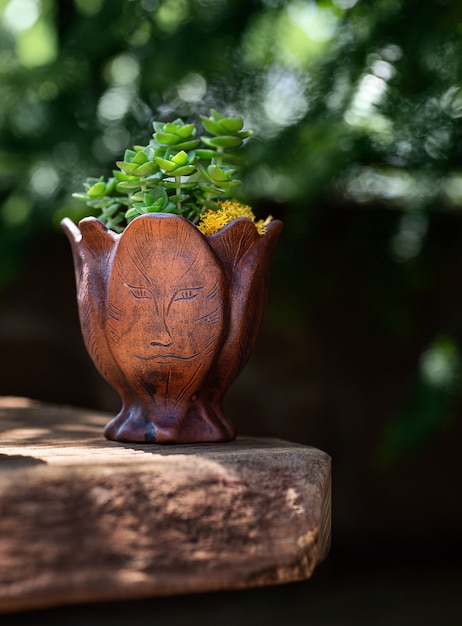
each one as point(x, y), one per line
point(172, 173)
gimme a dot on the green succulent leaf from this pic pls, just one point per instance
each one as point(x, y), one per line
point(120, 176)
point(216, 116)
point(217, 173)
point(210, 204)
point(186, 170)
point(165, 164)
point(147, 169)
point(129, 155)
point(212, 127)
point(132, 213)
point(229, 184)
point(97, 190)
point(111, 185)
point(181, 158)
point(168, 139)
point(208, 155)
point(186, 131)
point(126, 166)
point(140, 158)
point(80, 196)
point(127, 186)
point(222, 142)
point(187, 145)
point(171, 127)
point(232, 124)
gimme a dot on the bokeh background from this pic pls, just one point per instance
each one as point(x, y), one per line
point(357, 108)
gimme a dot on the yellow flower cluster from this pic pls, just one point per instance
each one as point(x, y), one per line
point(213, 220)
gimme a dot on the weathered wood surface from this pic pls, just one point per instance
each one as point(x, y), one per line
point(85, 519)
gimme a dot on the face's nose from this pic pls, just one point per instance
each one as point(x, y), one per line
point(158, 330)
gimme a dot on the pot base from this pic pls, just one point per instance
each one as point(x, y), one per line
point(200, 424)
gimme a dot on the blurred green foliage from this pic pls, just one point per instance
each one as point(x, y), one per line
point(354, 103)
point(430, 405)
point(349, 98)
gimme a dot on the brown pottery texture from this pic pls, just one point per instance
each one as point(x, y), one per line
point(170, 317)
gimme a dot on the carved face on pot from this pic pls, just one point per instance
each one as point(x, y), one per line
point(165, 310)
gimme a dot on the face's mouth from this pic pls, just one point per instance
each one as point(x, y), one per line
point(165, 357)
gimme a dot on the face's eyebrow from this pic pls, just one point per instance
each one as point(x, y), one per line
point(136, 286)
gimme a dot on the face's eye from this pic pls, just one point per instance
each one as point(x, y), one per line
point(187, 294)
point(140, 293)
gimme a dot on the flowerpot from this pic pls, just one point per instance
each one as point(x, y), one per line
point(170, 317)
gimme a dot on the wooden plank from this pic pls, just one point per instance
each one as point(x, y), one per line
point(85, 519)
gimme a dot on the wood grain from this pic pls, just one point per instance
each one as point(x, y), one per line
point(85, 519)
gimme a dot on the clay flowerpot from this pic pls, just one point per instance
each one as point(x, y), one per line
point(170, 317)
